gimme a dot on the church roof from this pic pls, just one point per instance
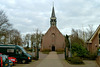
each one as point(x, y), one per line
point(53, 29)
point(92, 37)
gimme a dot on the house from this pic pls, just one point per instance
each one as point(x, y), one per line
point(94, 42)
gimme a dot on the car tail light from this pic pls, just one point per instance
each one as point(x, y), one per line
point(29, 58)
point(6, 64)
point(1, 62)
point(16, 60)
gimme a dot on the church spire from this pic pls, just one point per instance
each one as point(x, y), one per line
point(53, 12)
point(53, 17)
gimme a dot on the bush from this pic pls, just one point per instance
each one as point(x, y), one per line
point(60, 51)
point(75, 60)
point(35, 58)
point(91, 56)
point(79, 50)
point(46, 51)
point(69, 59)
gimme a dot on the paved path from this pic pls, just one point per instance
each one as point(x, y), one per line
point(52, 60)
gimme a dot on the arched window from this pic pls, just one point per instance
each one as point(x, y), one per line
point(53, 35)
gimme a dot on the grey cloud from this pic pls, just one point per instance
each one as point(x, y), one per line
point(26, 15)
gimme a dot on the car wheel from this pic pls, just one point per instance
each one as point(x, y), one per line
point(23, 61)
point(9, 66)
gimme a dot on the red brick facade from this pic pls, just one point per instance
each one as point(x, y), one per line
point(53, 38)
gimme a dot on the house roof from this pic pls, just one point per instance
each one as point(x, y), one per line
point(91, 38)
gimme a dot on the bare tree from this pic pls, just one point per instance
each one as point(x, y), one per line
point(27, 39)
point(75, 37)
point(90, 31)
point(81, 36)
point(32, 40)
point(36, 37)
point(8, 35)
point(5, 26)
point(15, 37)
point(3, 19)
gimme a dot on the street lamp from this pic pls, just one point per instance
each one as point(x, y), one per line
point(70, 46)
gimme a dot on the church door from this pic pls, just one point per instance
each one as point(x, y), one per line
point(53, 48)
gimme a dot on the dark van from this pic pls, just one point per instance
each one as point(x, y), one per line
point(17, 52)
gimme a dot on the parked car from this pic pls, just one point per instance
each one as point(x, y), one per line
point(10, 63)
point(16, 51)
point(13, 59)
point(5, 61)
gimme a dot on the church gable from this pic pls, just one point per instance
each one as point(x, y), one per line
point(53, 30)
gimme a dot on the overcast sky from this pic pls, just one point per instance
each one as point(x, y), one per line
point(27, 15)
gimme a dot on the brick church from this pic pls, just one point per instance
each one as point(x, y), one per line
point(53, 38)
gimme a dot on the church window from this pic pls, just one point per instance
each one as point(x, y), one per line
point(53, 35)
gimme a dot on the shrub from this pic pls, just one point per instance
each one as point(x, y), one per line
point(60, 51)
point(35, 58)
point(79, 50)
point(92, 56)
point(75, 60)
point(46, 51)
point(69, 58)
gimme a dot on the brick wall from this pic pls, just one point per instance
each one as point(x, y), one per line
point(53, 37)
point(92, 47)
point(98, 60)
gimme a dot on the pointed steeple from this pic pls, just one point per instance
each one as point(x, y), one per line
point(53, 12)
point(53, 17)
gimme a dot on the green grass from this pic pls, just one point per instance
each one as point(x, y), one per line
point(60, 52)
point(45, 52)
